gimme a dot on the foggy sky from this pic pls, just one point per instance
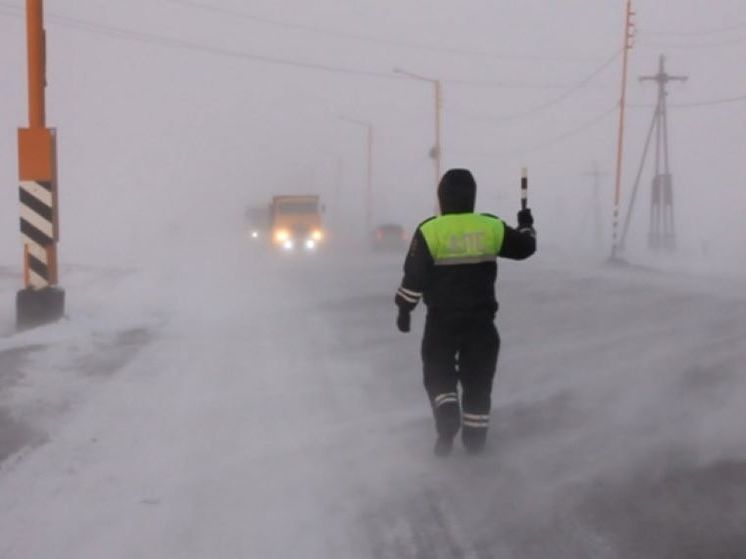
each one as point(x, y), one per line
point(286, 396)
point(156, 140)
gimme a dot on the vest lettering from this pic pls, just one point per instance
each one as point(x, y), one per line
point(464, 237)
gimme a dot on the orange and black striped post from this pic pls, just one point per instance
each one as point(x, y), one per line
point(41, 300)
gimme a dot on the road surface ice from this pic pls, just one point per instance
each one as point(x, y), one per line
point(261, 407)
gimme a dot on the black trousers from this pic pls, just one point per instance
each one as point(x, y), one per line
point(460, 350)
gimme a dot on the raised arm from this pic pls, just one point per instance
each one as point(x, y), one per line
point(520, 243)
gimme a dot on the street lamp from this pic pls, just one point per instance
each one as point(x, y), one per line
point(436, 151)
point(369, 173)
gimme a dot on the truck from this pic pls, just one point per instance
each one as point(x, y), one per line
point(296, 222)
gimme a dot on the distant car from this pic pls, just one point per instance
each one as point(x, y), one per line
point(389, 236)
point(257, 223)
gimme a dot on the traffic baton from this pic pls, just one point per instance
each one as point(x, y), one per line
point(524, 188)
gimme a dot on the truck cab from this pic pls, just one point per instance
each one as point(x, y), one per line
point(297, 222)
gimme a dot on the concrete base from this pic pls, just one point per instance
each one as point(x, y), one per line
point(38, 307)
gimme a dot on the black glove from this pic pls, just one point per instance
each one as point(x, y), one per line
point(403, 320)
point(525, 219)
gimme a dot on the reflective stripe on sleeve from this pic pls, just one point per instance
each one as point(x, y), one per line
point(410, 292)
point(528, 231)
point(409, 296)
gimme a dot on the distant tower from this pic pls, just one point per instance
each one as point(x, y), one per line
point(662, 233)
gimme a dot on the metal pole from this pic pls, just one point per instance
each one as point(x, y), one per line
point(655, 207)
point(41, 300)
point(620, 139)
point(669, 230)
point(436, 152)
point(661, 208)
point(637, 178)
point(438, 123)
point(597, 203)
point(36, 63)
point(369, 168)
point(369, 188)
point(594, 207)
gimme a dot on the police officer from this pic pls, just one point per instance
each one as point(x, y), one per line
point(452, 266)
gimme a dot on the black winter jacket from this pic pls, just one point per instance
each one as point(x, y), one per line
point(462, 289)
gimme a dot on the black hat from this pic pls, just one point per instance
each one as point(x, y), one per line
point(457, 192)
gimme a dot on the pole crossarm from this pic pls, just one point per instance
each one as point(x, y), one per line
point(662, 77)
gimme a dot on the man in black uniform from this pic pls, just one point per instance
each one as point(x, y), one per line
point(452, 265)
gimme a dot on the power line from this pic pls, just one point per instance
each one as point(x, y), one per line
point(575, 131)
point(555, 140)
point(697, 33)
point(160, 40)
point(551, 102)
point(709, 103)
point(501, 85)
point(724, 43)
point(357, 37)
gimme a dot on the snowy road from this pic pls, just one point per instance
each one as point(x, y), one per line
point(271, 409)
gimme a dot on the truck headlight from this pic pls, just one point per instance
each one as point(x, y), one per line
point(317, 235)
point(282, 236)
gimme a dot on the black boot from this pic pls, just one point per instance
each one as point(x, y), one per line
point(447, 423)
point(443, 446)
point(474, 439)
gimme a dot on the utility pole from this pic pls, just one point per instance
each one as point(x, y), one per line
point(369, 180)
point(436, 152)
point(661, 233)
point(627, 45)
point(41, 300)
point(369, 170)
point(338, 174)
point(596, 202)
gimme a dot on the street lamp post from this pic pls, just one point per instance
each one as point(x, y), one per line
point(436, 151)
point(369, 172)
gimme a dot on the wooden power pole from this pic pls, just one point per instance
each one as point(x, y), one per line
point(627, 45)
